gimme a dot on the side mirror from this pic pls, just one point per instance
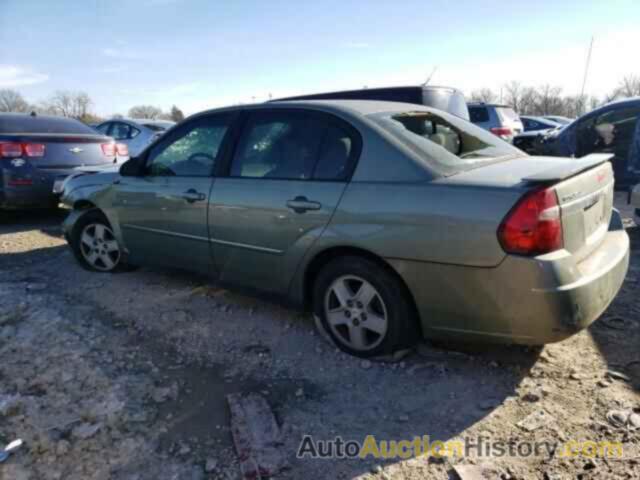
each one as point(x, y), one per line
point(131, 168)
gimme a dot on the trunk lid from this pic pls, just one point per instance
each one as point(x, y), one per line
point(65, 151)
point(584, 187)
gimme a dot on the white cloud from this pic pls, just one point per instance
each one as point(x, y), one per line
point(17, 76)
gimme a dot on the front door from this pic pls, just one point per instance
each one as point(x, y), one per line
point(163, 213)
point(286, 177)
point(611, 131)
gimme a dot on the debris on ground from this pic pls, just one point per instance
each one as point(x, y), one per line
point(256, 436)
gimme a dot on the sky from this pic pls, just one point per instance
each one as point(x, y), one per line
point(200, 54)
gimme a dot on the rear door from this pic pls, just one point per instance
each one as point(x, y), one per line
point(285, 179)
point(163, 214)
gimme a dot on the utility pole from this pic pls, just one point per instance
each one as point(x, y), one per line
point(584, 79)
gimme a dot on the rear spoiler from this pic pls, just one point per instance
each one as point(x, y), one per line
point(562, 172)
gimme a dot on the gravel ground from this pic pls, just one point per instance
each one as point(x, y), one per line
point(125, 376)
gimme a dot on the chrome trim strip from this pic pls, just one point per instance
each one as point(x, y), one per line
point(165, 232)
point(204, 239)
point(244, 245)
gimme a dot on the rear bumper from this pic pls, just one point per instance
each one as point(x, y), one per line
point(39, 194)
point(523, 300)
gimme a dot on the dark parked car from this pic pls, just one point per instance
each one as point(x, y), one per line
point(613, 128)
point(443, 98)
point(501, 120)
point(390, 221)
point(38, 151)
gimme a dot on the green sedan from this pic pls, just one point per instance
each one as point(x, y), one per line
point(391, 222)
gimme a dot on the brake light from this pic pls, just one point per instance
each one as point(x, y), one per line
point(533, 226)
point(10, 150)
point(109, 149)
point(33, 149)
point(16, 150)
point(122, 150)
point(502, 131)
point(20, 182)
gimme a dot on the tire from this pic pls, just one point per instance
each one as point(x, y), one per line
point(375, 316)
point(95, 246)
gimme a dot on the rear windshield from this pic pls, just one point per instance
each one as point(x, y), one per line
point(445, 143)
point(478, 114)
point(28, 124)
point(507, 113)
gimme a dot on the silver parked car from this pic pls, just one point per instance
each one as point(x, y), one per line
point(501, 120)
point(135, 133)
point(388, 220)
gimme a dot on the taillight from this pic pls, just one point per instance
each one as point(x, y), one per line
point(33, 149)
point(15, 150)
point(20, 182)
point(533, 226)
point(109, 149)
point(10, 150)
point(502, 131)
point(122, 150)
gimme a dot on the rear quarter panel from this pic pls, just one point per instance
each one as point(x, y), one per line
point(423, 221)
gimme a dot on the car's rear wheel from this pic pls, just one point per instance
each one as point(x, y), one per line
point(364, 307)
point(95, 245)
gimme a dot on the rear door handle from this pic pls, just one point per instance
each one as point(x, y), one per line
point(192, 195)
point(302, 204)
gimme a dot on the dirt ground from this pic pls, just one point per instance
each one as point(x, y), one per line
point(125, 376)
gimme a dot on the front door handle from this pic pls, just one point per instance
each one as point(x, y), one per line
point(302, 204)
point(192, 195)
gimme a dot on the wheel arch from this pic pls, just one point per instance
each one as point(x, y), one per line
point(323, 257)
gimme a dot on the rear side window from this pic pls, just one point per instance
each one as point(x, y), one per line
point(335, 153)
point(292, 145)
point(27, 124)
point(478, 114)
point(120, 131)
point(104, 128)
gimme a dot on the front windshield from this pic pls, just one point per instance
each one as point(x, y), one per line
point(447, 144)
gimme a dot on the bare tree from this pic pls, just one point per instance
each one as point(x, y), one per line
point(628, 87)
point(12, 101)
point(145, 111)
point(549, 100)
point(68, 104)
point(513, 95)
point(176, 114)
point(485, 95)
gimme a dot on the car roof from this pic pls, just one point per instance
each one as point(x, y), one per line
point(359, 107)
point(483, 104)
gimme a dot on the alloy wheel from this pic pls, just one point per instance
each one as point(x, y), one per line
point(99, 247)
point(356, 313)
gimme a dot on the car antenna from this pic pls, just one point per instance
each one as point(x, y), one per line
point(433, 72)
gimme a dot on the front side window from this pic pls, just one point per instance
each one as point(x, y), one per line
point(609, 132)
point(191, 152)
point(292, 146)
point(444, 142)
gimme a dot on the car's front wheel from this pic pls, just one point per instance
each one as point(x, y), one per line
point(364, 307)
point(95, 245)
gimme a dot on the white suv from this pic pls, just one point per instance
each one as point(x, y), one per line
point(501, 120)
